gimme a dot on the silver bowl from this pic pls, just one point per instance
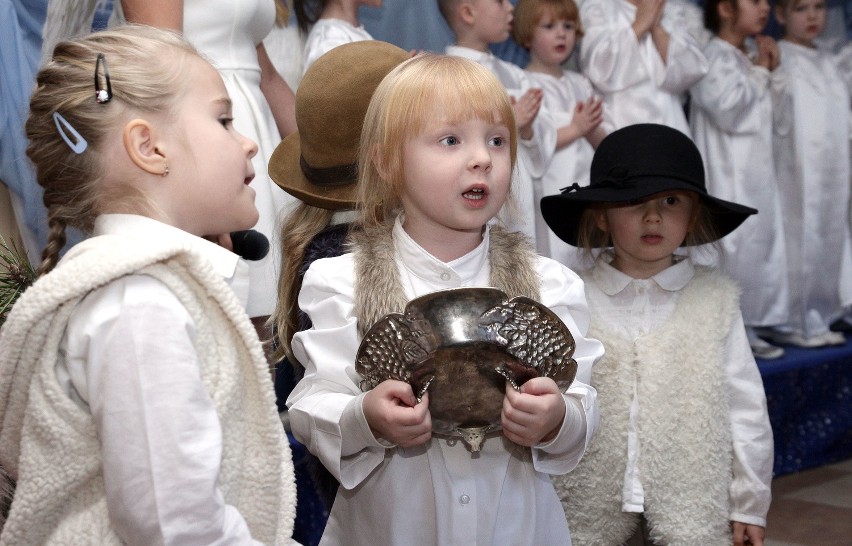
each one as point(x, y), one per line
point(462, 346)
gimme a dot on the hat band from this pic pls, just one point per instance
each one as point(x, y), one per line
point(339, 175)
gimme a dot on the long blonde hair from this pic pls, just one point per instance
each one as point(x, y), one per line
point(297, 231)
point(145, 72)
point(403, 106)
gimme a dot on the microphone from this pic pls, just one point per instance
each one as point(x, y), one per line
point(250, 244)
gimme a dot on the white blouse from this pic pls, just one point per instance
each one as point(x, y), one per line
point(437, 493)
point(635, 307)
point(326, 34)
point(636, 83)
point(127, 357)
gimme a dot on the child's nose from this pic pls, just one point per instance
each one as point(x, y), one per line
point(480, 158)
point(249, 146)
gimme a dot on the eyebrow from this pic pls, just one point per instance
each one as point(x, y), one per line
point(225, 101)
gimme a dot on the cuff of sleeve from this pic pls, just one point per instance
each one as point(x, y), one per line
point(355, 431)
point(573, 429)
point(748, 520)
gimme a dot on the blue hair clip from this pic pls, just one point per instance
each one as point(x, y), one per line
point(79, 144)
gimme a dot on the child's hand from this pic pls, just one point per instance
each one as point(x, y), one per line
point(526, 109)
point(534, 414)
point(745, 533)
point(768, 54)
point(649, 13)
point(394, 415)
point(587, 116)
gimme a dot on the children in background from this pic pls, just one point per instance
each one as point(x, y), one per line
point(134, 394)
point(549, 29)
point(437, 153)
point(477, 24)
point(328, 24)
point(731, 118)
point(687, 446)
point(812, 158)
point(317, 164)
point(641, 58)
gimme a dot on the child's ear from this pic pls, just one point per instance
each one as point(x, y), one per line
point(600, 220)
point(466, 13)
point(141, 146)
point(726, 10)
point(780, 16)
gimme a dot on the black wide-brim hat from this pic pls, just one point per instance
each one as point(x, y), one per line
point(631, 164)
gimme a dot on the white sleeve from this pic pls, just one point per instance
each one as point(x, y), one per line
point(325, 407)
point(753, 447)
point(564, 293)
point(131, 356)
point(610, 54)
point(685, 63)
point(730, 97)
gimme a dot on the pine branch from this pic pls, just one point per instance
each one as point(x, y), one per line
point(16, 275)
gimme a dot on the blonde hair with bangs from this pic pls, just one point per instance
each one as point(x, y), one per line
point(528, 14)
point(404, 105)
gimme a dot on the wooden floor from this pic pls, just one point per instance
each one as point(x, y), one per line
point(812, 508)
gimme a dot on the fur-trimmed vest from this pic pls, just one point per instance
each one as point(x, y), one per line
point(378, 290)
point(50, 445)
point(684, 430)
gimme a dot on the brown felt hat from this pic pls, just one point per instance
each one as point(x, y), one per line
point(317, 163)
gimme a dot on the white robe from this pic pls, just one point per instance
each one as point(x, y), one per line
point(731, 118)
point(637, 86)
point(534, 154)
point(812, 158)
point(325, 35)
point(568, 165)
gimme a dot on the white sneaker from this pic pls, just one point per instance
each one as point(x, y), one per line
point(764, 350)
point(799, 340)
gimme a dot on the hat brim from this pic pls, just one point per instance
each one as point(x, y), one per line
point(563, 211)
point(286, 172)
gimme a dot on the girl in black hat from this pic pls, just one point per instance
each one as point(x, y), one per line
point(678, 383)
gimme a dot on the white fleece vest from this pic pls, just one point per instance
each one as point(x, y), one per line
point(684, 429)
point(49, 444)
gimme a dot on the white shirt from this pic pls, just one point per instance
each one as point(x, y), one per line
point(437, 493)
point(569, 164)
point(127, 357)
point(635, 82)
point(636, 307)
point(534, 155)
point(326, 34)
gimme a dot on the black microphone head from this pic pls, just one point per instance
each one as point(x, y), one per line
point(250, 244)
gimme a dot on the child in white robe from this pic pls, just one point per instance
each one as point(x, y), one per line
point(731, 118)
point(812, 159)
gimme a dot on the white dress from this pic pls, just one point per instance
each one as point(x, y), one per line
point(228, 32)
point(731, 118)
point(812, 158)
point(533, 155)
point(437, 493)
point(570, 164)
point(637, 86)
point(326, 34)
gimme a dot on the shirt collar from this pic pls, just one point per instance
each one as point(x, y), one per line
point(612, 281)
point(420, 263)
point(468, 53)
point(224, 261)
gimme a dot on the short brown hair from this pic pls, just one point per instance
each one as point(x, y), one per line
point(528, 13)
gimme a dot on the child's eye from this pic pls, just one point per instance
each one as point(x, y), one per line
point(449, 140)
point(671, 200)
point(496, 141)
point(226, 122)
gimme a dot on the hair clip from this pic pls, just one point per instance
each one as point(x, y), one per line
point(103, 96)
point(62, 125)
